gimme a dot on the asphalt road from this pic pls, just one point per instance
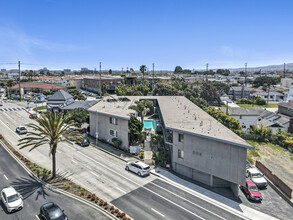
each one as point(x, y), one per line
point(34, 194)
point(141, 198)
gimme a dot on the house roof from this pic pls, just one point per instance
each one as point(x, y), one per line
point(178, 114)
point(37, 86)
point(80, 104)
point(242, 111)
point(60, 95)
point(286, 104)
point(266, 93)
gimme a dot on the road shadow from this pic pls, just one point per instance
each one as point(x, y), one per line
point(27, 186)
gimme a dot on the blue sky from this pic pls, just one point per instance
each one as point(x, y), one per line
point(72, 34)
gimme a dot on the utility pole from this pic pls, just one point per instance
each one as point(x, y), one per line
point(153, 77)
point(284, 70)
point(19, 79)
point(245, 73)
point(100, 85)
point(207, 70)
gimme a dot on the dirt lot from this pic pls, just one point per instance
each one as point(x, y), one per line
point(277, 159)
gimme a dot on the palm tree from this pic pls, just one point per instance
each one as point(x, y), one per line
point(142, 70)
point(142, 107)
point(51, 129)
point(9, 84)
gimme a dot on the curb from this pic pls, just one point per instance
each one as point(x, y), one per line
point(49, 186)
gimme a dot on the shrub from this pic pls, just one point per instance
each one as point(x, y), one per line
point(141, 155)
point(117, 143)
point(89, 195)
point(81, 193)
point(123, 214)
point(116, 210)
point(93, 197)
point(105, 203)
point(97, 199)
point(112, 211)
point(101, 203)
point(112, 207)
point(118, 214)
point(106, 207)
point(124, 218)
point(67, 187)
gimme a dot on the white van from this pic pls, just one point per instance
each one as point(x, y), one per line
point(139, 168)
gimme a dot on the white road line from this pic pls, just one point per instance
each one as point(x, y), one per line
point(95, 174)
point(37, 217)
point(5, 177)
point(119, 174)
point(188, 201)
point(120, 190)
point(158, 212)
point(73, 161)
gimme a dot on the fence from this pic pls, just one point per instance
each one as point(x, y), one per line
point(279, 183)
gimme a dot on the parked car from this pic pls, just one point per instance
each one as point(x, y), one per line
point(21, 130)
point(251, 191)
point(139, 168)
point(1, 103)
point(99, 97)
point(11, 199)
point(84, 142)
point(256, 177)
point(50, 211)
point(33, 116)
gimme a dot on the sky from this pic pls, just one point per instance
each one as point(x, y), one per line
point(60, 34)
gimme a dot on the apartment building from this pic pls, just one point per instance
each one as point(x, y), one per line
point(201, 148)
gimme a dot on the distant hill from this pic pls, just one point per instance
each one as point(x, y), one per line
point(270, 68)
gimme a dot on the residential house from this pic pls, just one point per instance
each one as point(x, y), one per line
point(59, 100)
point(201, 148)
point(270, 96)
point(274, 121)
point(246, 116)
point(236, 92)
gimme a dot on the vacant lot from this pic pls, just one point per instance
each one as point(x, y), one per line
point(274, 157)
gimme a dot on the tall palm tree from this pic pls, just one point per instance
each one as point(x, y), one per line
point(142, 70)
point(50, 129)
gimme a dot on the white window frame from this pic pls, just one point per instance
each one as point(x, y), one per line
point(180, 154)
point(115, 133)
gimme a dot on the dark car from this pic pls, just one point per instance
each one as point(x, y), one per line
point(251, 191)
point(51, 211)
point(84, 142)
point(33, 116)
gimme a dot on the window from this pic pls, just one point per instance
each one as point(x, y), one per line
point(180, 154)
point(113, 121)
point(113, 133)
point(240, 117)
point(180, 137)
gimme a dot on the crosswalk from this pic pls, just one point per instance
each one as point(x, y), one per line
point(11, 109)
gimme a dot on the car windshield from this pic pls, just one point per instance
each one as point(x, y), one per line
point(146, 168)
point(256, 175)
point(22, 128)
point(55, 212)
point(253, 188)
point(13, 198)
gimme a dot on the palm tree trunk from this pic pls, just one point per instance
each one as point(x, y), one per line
point(53, 165)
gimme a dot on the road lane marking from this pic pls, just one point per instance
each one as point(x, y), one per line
point(73, 161)
point(168, 200)
point(95, 174)
point(158, 212)
point(5, 177)
point(188, 201)
point(37, 217)
point(120, 190)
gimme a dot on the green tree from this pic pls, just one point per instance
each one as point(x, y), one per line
point(9, 84)
point(78, 115)
point(110, 71)
point(142, 107)
point(135, 130)
point(50, 129)
point(178, 70)
point(259, 101)
point(210, 93)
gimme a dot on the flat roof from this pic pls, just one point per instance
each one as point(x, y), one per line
point(178, 114)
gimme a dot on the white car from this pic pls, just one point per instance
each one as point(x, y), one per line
point(139, 168)
point(11, 199)
point(21, 130)
point(256, 177)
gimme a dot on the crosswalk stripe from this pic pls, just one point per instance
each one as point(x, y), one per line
point(11, 109)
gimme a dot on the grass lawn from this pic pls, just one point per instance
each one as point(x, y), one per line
point(40, 108)
point(261, 106)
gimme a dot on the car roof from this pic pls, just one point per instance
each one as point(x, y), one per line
point(9, 191)
point(49, 205)
point(21, 126)
point(249, 182)
point(143, 165)
point(253, 170)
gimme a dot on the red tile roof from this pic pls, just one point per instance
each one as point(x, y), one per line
point(37, 86)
